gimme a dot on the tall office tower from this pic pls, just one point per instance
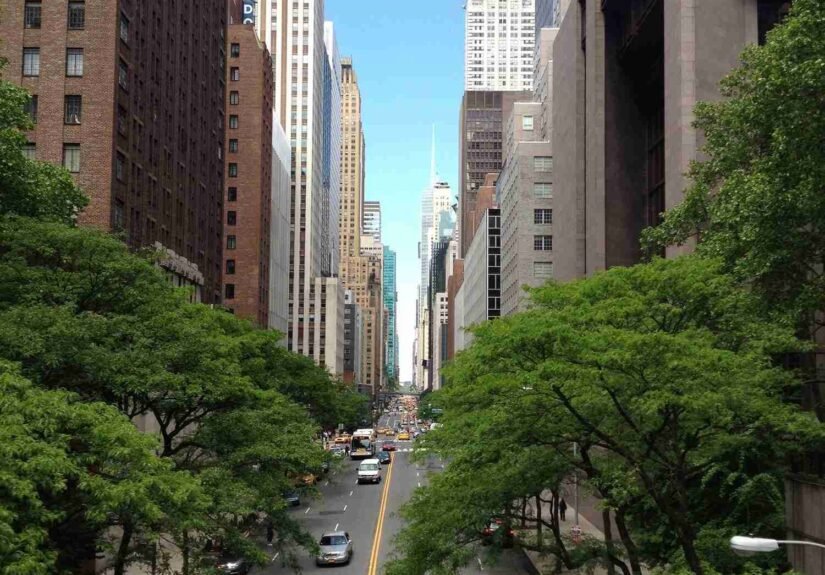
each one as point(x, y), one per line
point(499, 36)
point(112, 103)
point(332, 152)
point(248, 205)
point(352, 166)
point(372, 220)
point(546, 13)
point(353, 340)
point(300, 62)
point(390, 303)
point(480, 142)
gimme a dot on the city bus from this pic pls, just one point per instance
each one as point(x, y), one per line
point(362, 445)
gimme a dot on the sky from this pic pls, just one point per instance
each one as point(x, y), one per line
point(409, 58)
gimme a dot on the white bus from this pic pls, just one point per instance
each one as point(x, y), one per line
point(362, 445)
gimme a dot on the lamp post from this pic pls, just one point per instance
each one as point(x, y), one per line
point(750, 545)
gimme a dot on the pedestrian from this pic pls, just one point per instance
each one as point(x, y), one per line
point(270, 533)
point(346, 449)
point(563, 509)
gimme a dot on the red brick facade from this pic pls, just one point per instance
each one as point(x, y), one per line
point(150, 136)
point(249, 175)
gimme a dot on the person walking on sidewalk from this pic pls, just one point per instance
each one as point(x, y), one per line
point(563, 509)
point(270, 533)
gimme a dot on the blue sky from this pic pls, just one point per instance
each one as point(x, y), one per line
point(409, 57)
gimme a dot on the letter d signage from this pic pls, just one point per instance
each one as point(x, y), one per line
point(249, 11)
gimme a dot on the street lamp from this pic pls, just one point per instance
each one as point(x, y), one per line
point(749, 545)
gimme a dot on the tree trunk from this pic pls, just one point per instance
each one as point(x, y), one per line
point(608, 541)
point(123, 549)
point(629, 545)
point(185, 550)
point(539, 526)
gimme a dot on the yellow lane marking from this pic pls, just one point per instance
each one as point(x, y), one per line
point(379, 526)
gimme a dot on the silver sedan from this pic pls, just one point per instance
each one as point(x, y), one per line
point(335, 549)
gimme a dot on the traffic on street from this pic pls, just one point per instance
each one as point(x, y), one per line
point(368, 513)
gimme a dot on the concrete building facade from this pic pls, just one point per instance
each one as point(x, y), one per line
point(498, 44)
point(116, 111)
point(525, 193)
point(329, 338)
point(483, 272)
point(371, 224)
point(331, 162)
point(279, 232)
point(353, 336)
point(248, 199)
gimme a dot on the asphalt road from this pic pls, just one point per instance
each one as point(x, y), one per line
point(370, 514)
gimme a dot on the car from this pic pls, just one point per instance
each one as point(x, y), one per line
point(369, 471)
point(337, 451)
point(335, 548)
point(231, 565)
point(493, 532)
point(388, 446)
point(404, 436)
point(389, 431)
point(308, 479)
point(292, 498)
point(384, 457)
point(342, 440)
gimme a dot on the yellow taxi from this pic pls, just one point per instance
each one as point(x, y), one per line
point(342, 439)
point(403, 436)
point(389, 431)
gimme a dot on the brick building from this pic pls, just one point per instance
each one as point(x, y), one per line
point(114, 102)
point(249, 162)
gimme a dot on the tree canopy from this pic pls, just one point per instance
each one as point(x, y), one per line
point(662, 375)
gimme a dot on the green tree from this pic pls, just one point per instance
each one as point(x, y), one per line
point(757, 201)
point(662, 375)
point(71, 469)
point(28, 187)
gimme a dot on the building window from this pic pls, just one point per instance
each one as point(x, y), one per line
point(124, 28)
point(122, 122)
point(30, 151)
point(233, 146)
point(71, 157)
point(229, 291)
point(235, 74)
point(31, 61)
point(235, 50)
point(120, 167)
point(72, 109)
point(230, 242)
point(232, 194)
point(233, 122)
point(230, 267)
point(117, 215)
point(32, 14)
point(74, 62)
point(543, 216)
point(543, 190)
point(543, 163)
point(30, 108)
point(543, 243)
point(123, 75)
point(231, 218)
point(233, 170)
point(527, 122)
point(234, 98)
point(543, 270)
point(77, 15)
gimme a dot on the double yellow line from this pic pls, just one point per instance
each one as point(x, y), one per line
point(379, 526)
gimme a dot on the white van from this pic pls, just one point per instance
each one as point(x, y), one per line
point(369, 471)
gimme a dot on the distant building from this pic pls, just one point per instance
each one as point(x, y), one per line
point(353, 335)
point(372, 220)
point(498, 44)
point(390, 303)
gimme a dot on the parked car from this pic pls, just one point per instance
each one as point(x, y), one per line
point(384, 457)
point(234, 566)
point(499, 531)
point(292, 498)
point(335, 549)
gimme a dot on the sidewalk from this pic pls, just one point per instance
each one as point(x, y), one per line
point(544, 564)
